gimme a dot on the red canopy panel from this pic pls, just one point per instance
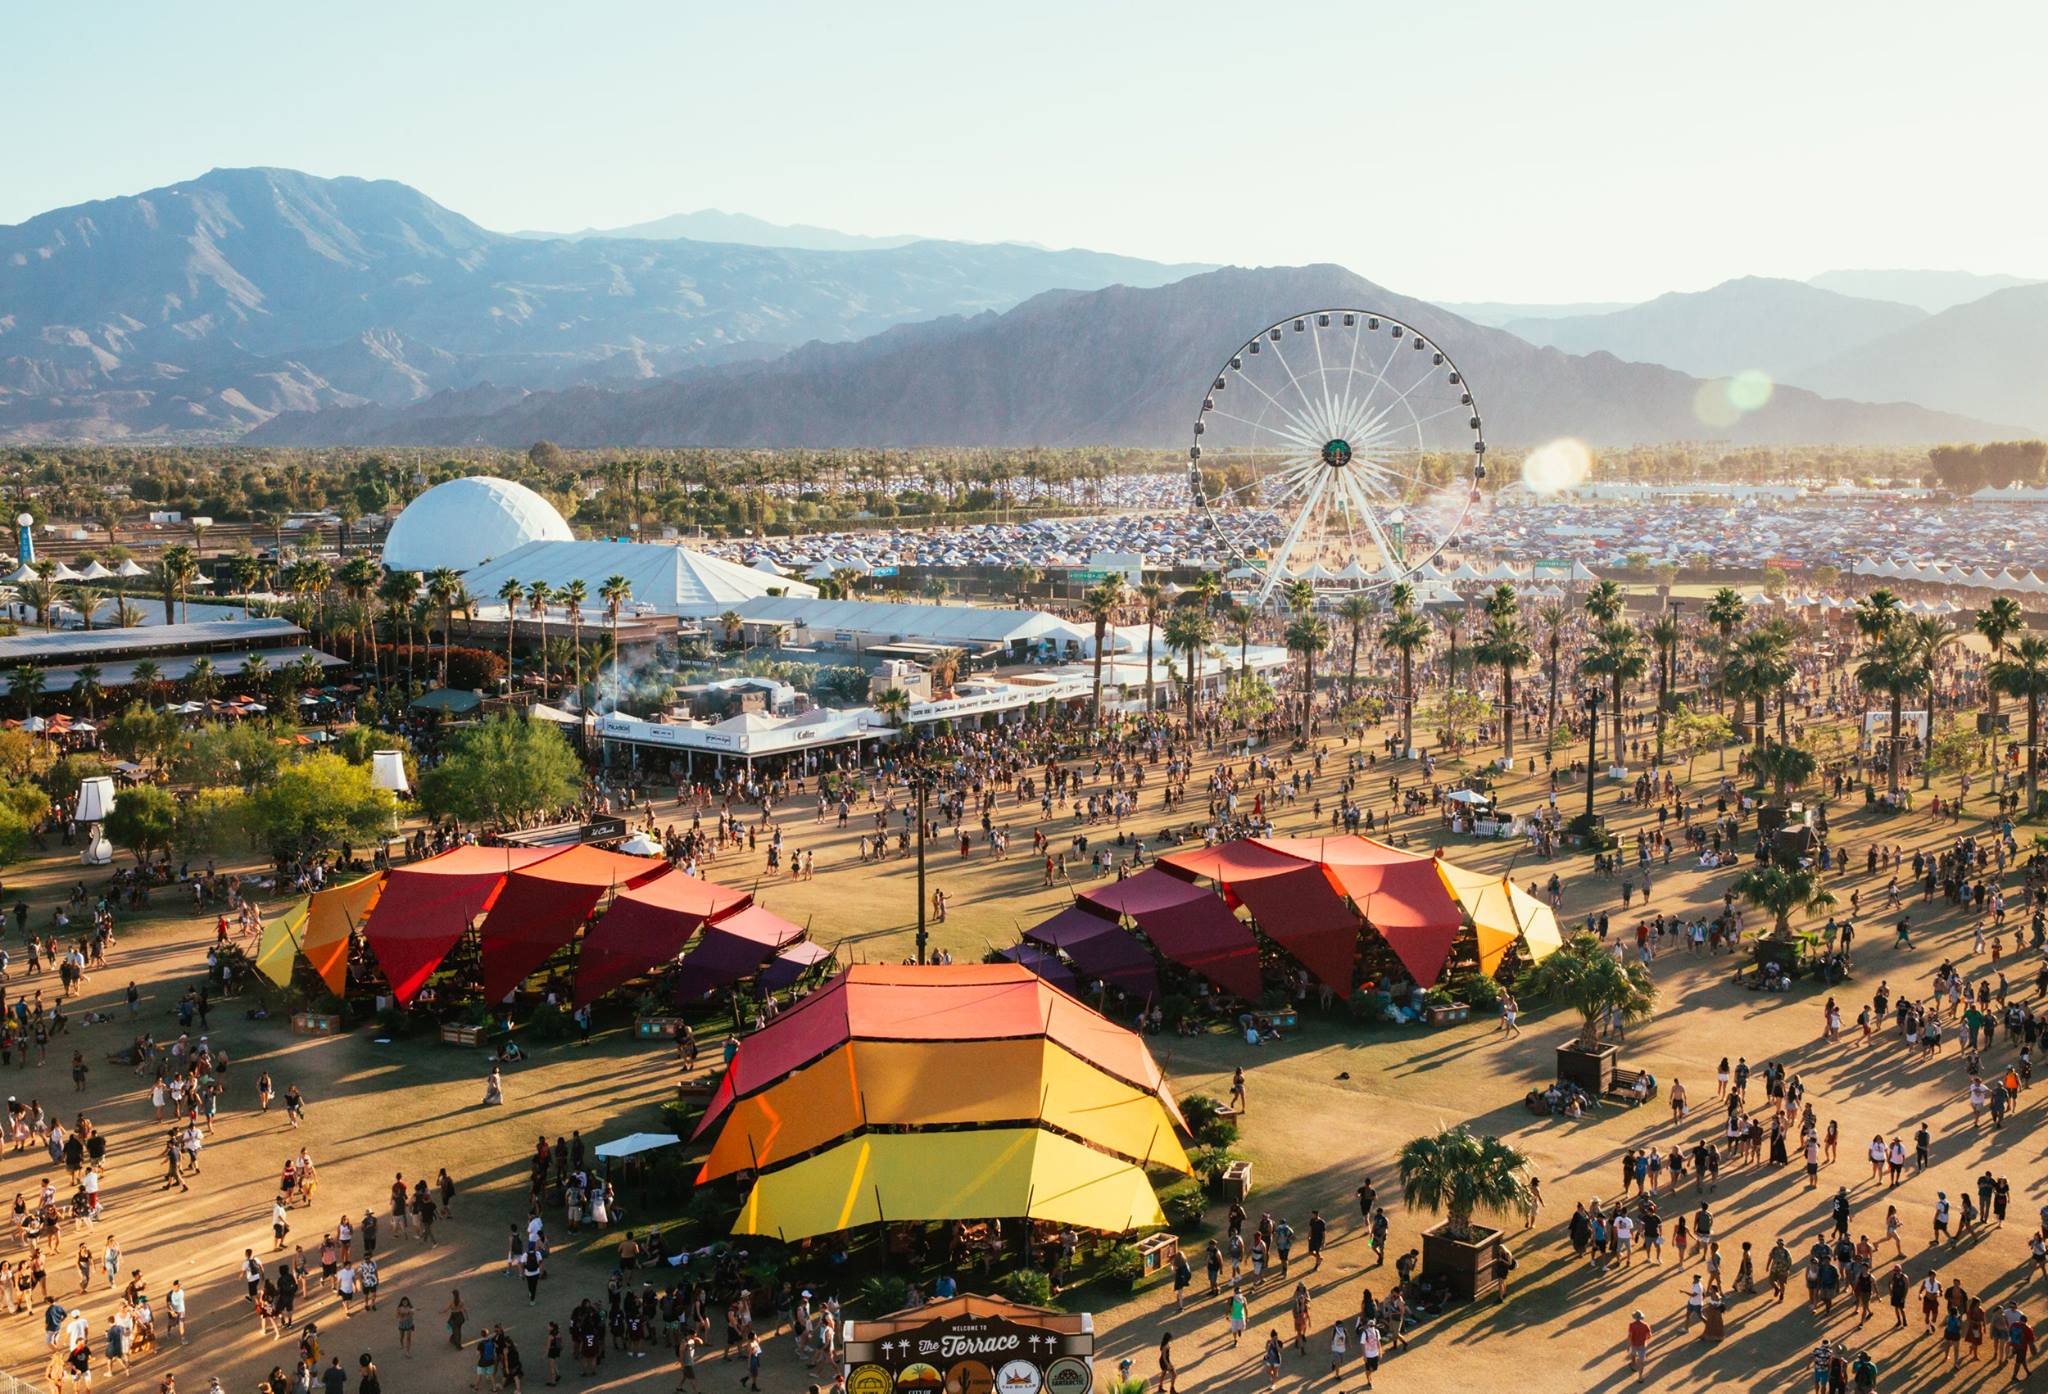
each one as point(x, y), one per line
point(1202, 935)
point(1231, 862)
point(645, 927)
point(1151, 889)
point(1299, 911)
point(735, 947)
point(541, 907)
point(933, 1002)
point(425, 908)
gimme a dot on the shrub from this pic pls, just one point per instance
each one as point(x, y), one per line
point(550, 1022)
point(1183, 1205)
point(1176, 1008)
point(883, 1294)
point(1210, 1164)
point(1124, 1266)
point(1026, 1285)
point(1482, 992)
point(1206, 1123)
point(677, 1117)
point(474, 668)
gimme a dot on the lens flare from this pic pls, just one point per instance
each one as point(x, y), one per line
point(1722, 402)
point(1750, 390)
point(1562, 464)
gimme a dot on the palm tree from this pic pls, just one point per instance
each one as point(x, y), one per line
point(1783, 891)
point(1760, 667)
point(358, 578)
point(1300, 595)
point(1877, 613)
point(175, 571)
point(1725, 611)
point(573, 595)
point(1455, 1173)
point(1617, 656)
point(1025, 577)
point(848, 580)
point(1101, 603)
point(1505, 645)
point(244, 571)
point(1604, 603)
point(201, 680)
point(1188, 631)
point(444, 584)
point(145, 676)
point(26, 682)
point(2025, 675)
point(1207, 590)
point(1598, 985)
point(81, 599)
point(1787, 767)
point(1554, 617)
point(1240, 618)
point(1354, 610)
point(510, 594)
point(1404, 634)
point(1151, 592)
point(1308, 636)
point(729, 623)
point(254, 670)
point(397, 591)
point(1932, 635)
point(615, 592)
point(1664, 636)
point(538, 594)
point(1998, 622)
point(127, 614)
point(88, 687)
point(893, 705)
point(1891, 665)
point(944, 668)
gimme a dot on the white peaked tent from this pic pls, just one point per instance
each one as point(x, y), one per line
point(130, 569)
point(2031, 584)
point(2006, 580)
point(1466, 571)
point(1354, 572)
point(63, 573)
point(1429, 571)
point(1505, 571)
point(95, 572)
point(1582, 573)
point(766, 567)
point(1318, 572)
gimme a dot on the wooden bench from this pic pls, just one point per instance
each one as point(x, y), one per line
point(1623, 1090)
point(453, 1033)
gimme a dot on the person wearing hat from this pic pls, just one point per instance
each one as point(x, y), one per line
point(1638, 1342)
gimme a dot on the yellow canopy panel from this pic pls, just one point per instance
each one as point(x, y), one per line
point(1487, 902)
point(280, 943)
point(991, 1173)
point(331, 914)
point(924, 1082)
point(1538, 922)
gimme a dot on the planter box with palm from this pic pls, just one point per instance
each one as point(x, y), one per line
point(1586, 976)
point(1783, 892)
point(1458, 1174)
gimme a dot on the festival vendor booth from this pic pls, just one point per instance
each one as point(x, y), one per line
point(971, 1345)
point(966, 1093)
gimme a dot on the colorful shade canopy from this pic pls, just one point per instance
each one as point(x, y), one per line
point(1538, 923)
point(280, 945)
point(425, 907)
point(319, 928)
point(911, 1083)
point(1399, 893)
point(1096, 942)
point(932, 1002)
point(969, 1175)
point(1188, 925)
point(1290, 896)
point(793, 962)
point(1486, 903)
point(734, 946)
point(542, 906)
point(647, 926)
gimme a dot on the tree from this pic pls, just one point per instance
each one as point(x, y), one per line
point(2025, 676)
point(444, 586)
point(615, 592)
point(202, 680)
point(510, 594)
point(315, 804)
point(209, 819)
point(1457, 1174)
point(893, 705)
point(1664, 637)
point(1591, 981)
point(144, 820)
point(1354, 610)
point(241, 753)
point(1604, 603)
point(24, 685)
point(1247, 700)
point(506, 769)
point(1300, 595)
point(1931, 636)
point(1725, 611)
point(1617, 657)
point(1786, 767)
point(1308, 636)
point(1505, 645)
point(1188, 632)
point(1878, 612)
point(1891, 666)
point(1554, 617)
point(572, 596)
point(1404, 634)
point(1783, 891)
point(139, 733)
point(1998, 622)
point(1101, 602)
point(1693, 732)
point(175, 572)
point(1151, 592)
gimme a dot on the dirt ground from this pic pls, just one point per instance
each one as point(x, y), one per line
point(1328, 1107)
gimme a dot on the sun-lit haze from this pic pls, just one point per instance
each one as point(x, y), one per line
point(1460, 152)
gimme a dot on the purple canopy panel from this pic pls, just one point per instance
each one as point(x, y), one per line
point(1150, 890)
point(1075, 923)
point(1204, 936)
point(1047, 965)
point(1101, 948)
point(792, 963)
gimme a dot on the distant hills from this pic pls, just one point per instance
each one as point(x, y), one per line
point(207, 307)
point(1780, 327)
point(269, 304)
point(712, 225)
point(1932, 291)
point(1121, 365)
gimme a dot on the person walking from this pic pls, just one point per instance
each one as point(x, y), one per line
point(1638, 1343)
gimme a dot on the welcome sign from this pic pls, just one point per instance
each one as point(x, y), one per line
point(972, 1345)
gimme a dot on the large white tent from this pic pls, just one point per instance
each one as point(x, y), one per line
point(666, 580)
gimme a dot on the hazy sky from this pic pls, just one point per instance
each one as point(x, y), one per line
point(1463, 151)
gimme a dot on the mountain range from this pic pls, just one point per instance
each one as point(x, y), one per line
point(272, 305)
point(207, 307)
point(1122, 365)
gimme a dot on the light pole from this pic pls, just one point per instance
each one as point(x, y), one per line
point(920, 784)
point(1592, 696)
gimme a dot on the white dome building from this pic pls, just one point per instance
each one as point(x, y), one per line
point(464, 522)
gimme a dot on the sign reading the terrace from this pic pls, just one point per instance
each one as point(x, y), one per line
point(972, 1345)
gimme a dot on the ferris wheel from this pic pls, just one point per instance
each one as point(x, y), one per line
point(1339, 446)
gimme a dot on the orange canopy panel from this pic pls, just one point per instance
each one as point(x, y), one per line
point(1290, 896)
point(542, 906)
point(1002, 1173)
point(425, 908)
point(647, 926)
point(1400, 894)
point(1241, 860)
point(905, 1083)
point(330, 916)
point(931, 1002)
